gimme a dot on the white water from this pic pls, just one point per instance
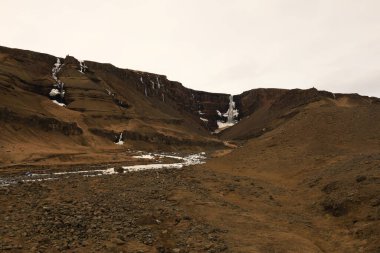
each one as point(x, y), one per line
point(188, 160)
point(82, 66)
point(59, 85)
point(231, 114)
point(120, 142)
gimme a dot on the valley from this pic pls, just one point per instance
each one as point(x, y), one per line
point(129, 161)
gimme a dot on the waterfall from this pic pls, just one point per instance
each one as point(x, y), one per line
point(230, 112)
point(120, 141)
point(58, 86)
point(82, 66)
point(231, 115)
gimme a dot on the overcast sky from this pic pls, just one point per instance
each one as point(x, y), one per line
point(215, 45)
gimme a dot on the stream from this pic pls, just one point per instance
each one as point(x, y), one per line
point(182, 161)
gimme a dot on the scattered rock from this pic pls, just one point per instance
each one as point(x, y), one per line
point(360, 178)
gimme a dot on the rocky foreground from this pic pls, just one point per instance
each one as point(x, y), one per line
point(135, 212)
point(214, 207)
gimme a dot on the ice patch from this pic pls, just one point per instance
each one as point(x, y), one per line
point(231, 114)
point(188, 160)
point(54, 92)
point(40, 179)
point(149, 156)
point(120, 141)
point(153, 167)
point(57, 67)
point(59, 84)
point(58, 103)
point(82, 66)
point(224, 124)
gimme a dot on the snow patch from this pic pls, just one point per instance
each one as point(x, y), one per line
point(56, 68)
point(153, 167)
point(231, 114)
point(58, 90)
point(203, 119)
point(82, 66)
point(54, 92)
point(188, 160)
point(224, 124)
point(158, 83)
point(148, 156)
point(58, 103)
point(120, 141)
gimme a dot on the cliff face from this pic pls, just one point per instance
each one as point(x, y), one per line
point(42, 95)
point(158, 89)
point(83, 95)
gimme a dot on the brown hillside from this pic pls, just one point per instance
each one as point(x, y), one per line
point(298, 173)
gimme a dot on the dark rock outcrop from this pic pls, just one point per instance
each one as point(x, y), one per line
point(41, 122)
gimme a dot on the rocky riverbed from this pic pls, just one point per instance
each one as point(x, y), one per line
point(131, 212)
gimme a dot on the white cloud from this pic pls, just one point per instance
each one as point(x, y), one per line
point(214, 45)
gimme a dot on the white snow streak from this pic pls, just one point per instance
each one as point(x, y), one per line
point(58, 103)
point(120, 141)
point(58, 90)
point(54, 92)
point(224, 124)
point(158, 82)
point(82, 66)
point(188, 160)
point(148, 156)
point(231, 114)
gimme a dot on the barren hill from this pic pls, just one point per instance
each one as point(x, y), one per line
point(299, 172)
point(99, 103)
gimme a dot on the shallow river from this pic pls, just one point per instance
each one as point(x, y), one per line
point(182, 161)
